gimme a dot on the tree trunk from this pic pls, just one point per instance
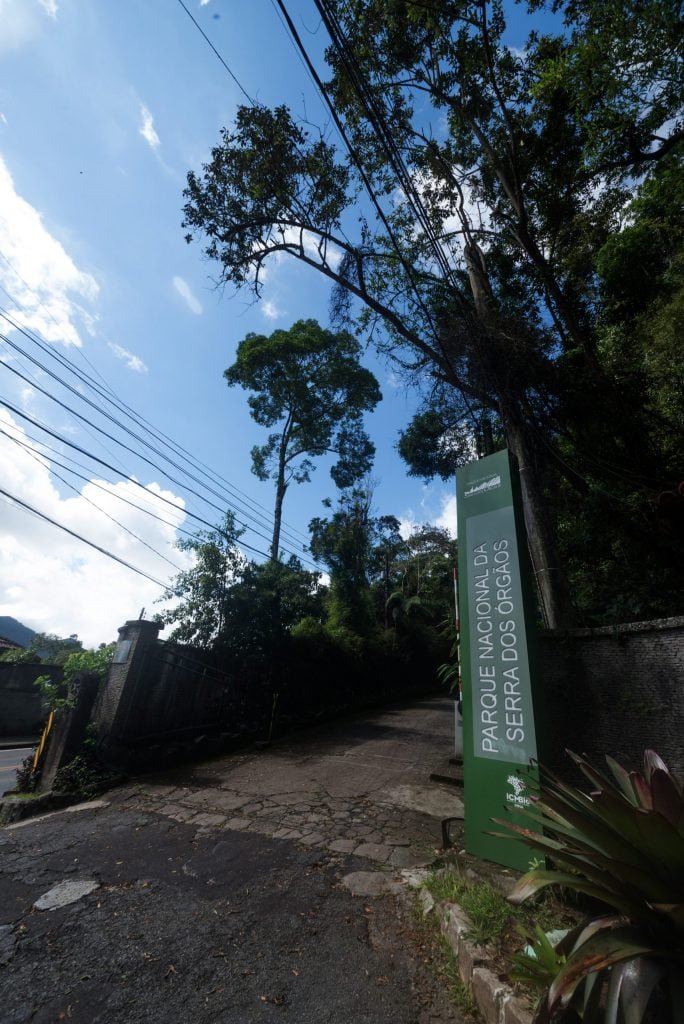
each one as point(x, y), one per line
point(549, 575)
point(281, 487)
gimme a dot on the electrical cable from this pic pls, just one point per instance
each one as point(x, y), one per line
point(71, 444)
point(132, 451)
point(209, 43)
point(376, 115)
point(41, 515)
point(254, 509)
point(82, 496)
point(94, 483)
point(280, 7)
point(408, 270)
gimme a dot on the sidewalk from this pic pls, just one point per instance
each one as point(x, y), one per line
point(229, 890)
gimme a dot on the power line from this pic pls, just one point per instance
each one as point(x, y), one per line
point(408, 269)
point(209, 43)
point(93, 483)
point(35, 379)
point(138, 454)
point(72, 533)
point(71, 486)
point(192, 515)
point(253, 510)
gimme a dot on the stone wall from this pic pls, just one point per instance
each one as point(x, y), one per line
point(615, 690)
point(22, 712)
point(162, 694)
point(159, 694)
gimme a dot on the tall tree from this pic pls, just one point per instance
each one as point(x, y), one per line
point(356, 546)
point(479, 254)
point(308, 384)
point(202, 591)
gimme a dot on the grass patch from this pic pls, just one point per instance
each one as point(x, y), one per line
point(491, 913)
point(496, 922)
point(445, 886)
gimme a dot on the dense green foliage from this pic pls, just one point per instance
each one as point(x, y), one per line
point(306, 383)
point(90, 662)
point(276, 627)
point(555, 323)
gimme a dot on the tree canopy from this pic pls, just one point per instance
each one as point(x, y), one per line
point(498, 176)
point(308, 384)
point(201, 590)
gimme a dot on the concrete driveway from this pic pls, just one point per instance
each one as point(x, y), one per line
point(239, 889)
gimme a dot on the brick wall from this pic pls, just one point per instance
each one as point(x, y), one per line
point(615, 690)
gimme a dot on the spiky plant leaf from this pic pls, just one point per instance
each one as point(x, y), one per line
point(667, 799)
point(594, 954)
point(624, 845)
point(630, 989)
point(623, 778)
point(653, 761)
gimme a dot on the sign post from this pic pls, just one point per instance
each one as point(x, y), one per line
point(499, 731)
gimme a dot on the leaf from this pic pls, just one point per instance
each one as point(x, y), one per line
point(630, 989)
point(674, 912)
point(622, 777)
point(642, 791)
point(667, 798)
point(599, 952)
point(653, 761)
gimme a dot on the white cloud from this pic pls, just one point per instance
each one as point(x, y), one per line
point(270, 310)
point(55, 583)
point(408, 524)
point(20, 20)
point(185, 292)
point(447, 517)
point(133, 362)
point(147, 129)
point(38, 272)
point(312, 246)
point(203, 3)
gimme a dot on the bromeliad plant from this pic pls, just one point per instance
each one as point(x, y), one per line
point(622, 845)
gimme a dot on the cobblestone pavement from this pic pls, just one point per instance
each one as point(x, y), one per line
point(357, 787)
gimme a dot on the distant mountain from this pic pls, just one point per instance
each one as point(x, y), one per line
point(16, 631)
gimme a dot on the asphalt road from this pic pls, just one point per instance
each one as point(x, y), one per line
point(9, 762)
point(207, 912)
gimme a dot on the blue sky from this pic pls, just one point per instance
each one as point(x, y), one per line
point(104, 107)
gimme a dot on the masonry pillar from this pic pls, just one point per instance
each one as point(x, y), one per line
point(115, 705)
point(67, 735)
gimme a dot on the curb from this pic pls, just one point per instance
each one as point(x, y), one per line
point(13, 810)
point(495, 1000)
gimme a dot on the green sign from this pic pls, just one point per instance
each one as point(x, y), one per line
point(499, 734)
